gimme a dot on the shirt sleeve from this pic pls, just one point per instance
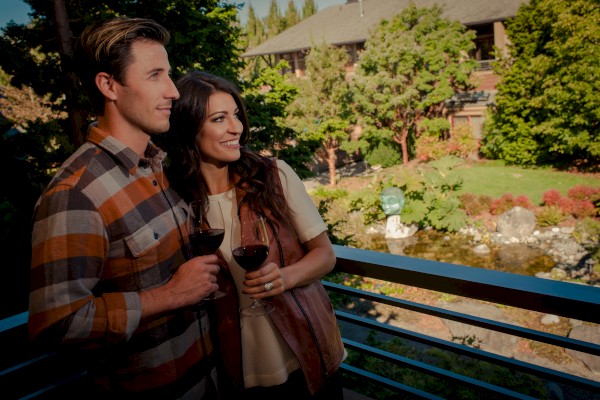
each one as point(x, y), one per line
point(69, 246)
point(307, 221)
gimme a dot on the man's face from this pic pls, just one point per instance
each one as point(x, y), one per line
point(144, 99)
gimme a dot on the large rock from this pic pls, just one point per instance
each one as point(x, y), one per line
point(517, 222)
point(591, 334)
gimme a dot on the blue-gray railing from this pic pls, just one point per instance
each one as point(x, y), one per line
point(569, 300)
point(26, 373)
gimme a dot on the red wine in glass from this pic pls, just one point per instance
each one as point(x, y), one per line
point(206, 241)
point(251, 257)
point(250, 248)
point(206, 232)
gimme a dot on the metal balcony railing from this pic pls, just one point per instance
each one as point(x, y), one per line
point(569, 300)
point(26, 373)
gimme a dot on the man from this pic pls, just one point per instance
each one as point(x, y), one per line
point(109, 271)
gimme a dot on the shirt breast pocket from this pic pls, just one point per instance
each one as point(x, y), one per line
point(150, 266)
point(142, 241)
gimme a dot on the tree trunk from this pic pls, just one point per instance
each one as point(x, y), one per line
point(76, 115)
point(404, 145)
point(402, 140)
point(331, 158)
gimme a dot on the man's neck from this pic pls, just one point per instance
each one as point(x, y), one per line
point(136, 140)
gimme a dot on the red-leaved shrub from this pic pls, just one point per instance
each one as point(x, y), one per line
point(581, 192)
point(508, 201)
point(551, 197)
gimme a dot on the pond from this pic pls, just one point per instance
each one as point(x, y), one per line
point(457, 249)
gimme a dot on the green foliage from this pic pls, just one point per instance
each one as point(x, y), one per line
point(333, 228)
point(320, 113)
point(204, 35)
point(368, 202)
point(384, 153)
point(266, 98)
point(431, 145)
point(548, 106)
point(549, 216)
point(409, 67)
point(309, 8)
point(431, 196)
point(437, 203)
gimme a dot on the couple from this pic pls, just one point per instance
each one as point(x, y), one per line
point(109, 272)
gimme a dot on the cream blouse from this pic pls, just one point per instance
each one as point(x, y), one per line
point(266, 358)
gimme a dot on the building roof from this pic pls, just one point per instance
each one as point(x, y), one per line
point(344, 24)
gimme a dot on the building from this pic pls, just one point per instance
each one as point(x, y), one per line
point(349, 25)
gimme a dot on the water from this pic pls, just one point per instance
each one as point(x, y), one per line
point(456, 249)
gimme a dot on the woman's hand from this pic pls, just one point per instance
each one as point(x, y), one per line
point(257, 282)
point(318, 261)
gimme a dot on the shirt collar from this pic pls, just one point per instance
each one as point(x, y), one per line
point(123, 154)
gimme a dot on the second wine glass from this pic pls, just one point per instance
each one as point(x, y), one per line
point(206, 230)
point(250, 248)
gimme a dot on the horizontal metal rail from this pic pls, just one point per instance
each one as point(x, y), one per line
point(529, 293)
point(548, 338)
point(435, 371)
point(543, 295)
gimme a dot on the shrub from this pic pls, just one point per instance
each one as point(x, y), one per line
point(551, 197)
point(508, 201)
point(549, 215)
point(462, 143)
point(428, 148)
point(581, 192)
point(583, 208)
point(385, 154)
point(580, 201)
point(475, 205)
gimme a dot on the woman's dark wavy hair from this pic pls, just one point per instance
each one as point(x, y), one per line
point(257, 174)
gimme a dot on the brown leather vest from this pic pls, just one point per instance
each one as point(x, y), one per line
point(304, 316)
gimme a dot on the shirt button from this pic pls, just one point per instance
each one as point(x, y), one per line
point(155, 235)
point(155, 183)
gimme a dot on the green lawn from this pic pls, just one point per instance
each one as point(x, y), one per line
point(494, 179)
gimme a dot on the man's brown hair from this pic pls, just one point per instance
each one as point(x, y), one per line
point(106, 47)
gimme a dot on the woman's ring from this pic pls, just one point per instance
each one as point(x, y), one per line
point(268, 286)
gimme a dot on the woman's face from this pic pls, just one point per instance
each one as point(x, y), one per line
point(219, 137)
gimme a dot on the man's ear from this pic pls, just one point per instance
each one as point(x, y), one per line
point(106, 85)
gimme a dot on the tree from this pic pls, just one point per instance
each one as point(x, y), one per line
point(548, 105)
point(39, 124)
point(308, 9)
point(274, 22)
point(320, 113)
point(267, 98)
point(410, 66)
point(255, 29)
point(291, 16)
point(204, 35)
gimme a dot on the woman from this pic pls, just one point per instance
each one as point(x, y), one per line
point(294, 351)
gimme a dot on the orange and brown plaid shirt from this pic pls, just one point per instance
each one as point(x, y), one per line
point(107, 227)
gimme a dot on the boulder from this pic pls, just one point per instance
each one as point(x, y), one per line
point(517, 222)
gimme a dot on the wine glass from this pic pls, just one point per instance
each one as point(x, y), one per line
point(205, 236)
point(250, 247)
